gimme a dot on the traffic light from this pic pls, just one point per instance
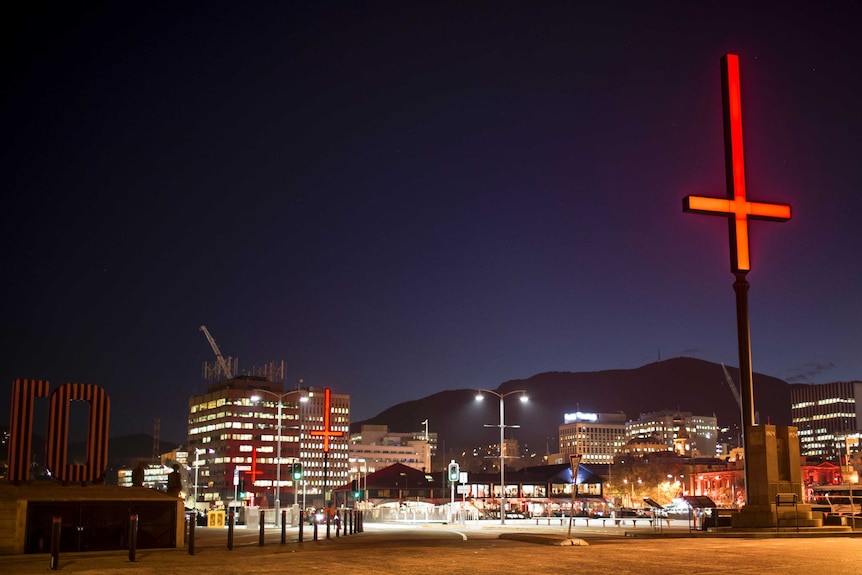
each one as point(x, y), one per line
point(454, 471)
point(296, 471)
point(355, 488)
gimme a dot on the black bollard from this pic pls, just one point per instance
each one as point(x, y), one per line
point(283, 526)
point(301, 525)
point(361, 522)
point(230, 522)
point(262, 528)
point(133, 537)
point(56, 524)
point(192, 522)
point(328, 522)
point(315, 528)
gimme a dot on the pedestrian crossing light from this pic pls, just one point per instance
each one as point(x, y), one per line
point(454, 471)
point(296, 471)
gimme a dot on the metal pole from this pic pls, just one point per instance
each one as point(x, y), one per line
point(278, 465)
point(743, 333)
point(231, 519)
point(299, 538)
point(197, 465)
point(502, 463)
point(192, 521)
point(56, 528)
point(283, 526)
point(133, 537)
point(261, 536)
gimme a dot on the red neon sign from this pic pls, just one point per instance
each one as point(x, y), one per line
point(327, 432)
point(736, 207)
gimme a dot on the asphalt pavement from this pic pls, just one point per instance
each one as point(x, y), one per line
point(476, 548)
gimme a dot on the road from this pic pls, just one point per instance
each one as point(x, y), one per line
point(387, 549)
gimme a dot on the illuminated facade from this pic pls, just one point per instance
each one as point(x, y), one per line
point(687, 434)
point(234, 428)
point(827, 415)
point(375, 447)
point(596, 436)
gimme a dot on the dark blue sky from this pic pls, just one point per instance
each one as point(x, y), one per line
point(402, 198)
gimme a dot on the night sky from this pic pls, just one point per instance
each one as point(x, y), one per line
point(402, 198)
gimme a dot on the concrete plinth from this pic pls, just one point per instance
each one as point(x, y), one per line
point(774, 473)
point(763, 516)
point(94, 509)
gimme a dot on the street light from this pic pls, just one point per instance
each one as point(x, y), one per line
point(302, 399)
point(279, 397)
point(502, 426)
point(197, 465)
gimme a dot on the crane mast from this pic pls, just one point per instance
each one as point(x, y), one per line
point(732, 385)
point(219, 357)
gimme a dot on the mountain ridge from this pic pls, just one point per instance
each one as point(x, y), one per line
point(680, 384)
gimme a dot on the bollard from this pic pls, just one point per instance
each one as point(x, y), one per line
point(314, 521)
point(301, 524)
point(283, 526)
point(230, 522)
point(192, 522)
point(348, 529)
point(133, 537)
point(337, 520)
point(56, 524)
point(262, 527)
point(328, 522)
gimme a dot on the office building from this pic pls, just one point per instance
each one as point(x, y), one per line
point(238, 428)
point(597, 437)
point(829, 418)
point(686, 434)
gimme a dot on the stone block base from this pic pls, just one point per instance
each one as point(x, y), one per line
point(763, 516)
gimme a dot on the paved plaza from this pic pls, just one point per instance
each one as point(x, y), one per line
point(476, 549)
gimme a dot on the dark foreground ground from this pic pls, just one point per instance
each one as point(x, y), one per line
point(436, 550)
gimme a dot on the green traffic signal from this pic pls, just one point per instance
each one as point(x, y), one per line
point(296, 471)
point(454, 472)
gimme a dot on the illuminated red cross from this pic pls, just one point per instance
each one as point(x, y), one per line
point(254, 470)
point(327, 432)
point(736, 207)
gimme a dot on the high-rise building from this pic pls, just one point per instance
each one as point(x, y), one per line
point(827, 416)
point(596, 436)
point(238, 428)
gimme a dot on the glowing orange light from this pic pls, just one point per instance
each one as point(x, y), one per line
point(327, 432)
point(736, 207)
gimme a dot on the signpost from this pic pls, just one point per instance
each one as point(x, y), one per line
point(575, 463)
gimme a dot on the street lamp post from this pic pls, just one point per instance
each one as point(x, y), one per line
point(279, 397)
point(502, 426)
point(302, 399)
point(199, 450)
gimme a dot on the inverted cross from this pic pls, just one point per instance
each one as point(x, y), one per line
point(736, 207)
point(326, 432)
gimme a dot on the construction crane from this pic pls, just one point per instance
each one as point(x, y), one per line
point(738, 396)
point(733, 389)
point(221, 361)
